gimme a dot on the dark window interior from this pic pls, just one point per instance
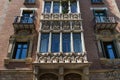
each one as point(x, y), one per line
point(109, 50)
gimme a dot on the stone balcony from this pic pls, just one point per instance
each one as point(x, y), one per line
point(103, 23)
point(24, 23)
point(67, 60)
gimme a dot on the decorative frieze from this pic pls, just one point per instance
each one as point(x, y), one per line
point(60, 16)
point(61, 26)
point(61, 58)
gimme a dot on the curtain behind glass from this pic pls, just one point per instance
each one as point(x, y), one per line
point(47, 7)
point(66, 42)
point(44, 42)
point(55, 42)
point(73, 7)
point(56, 7)
point(77, 42)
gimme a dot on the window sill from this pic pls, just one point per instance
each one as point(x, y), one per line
point(110, 62)
point(26, 61)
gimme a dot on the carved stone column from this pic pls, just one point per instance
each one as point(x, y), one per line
point(61, 73)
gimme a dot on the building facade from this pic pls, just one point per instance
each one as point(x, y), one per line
point(60, 40)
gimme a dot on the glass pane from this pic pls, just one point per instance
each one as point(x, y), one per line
point(73, 7)
point(56, 6)
point(47, 7)
point(44, 42)
point(77, 42)
point(66, 42)
point(19, 45)
point(23, 54)
point(55, 42)
point(17, 56)
point(25, 46)
point(110, 52)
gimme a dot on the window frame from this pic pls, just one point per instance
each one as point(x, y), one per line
point(106, 54)
point(60, 42)
point(60, 7)
point(21, 49)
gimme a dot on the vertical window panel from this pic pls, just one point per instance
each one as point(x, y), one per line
point(56, 7)
point(44, 42)
point(73, 7)
point(66, 42)
point(55, 42)
point(110, 51)
point(47, 7)
point(77, 42)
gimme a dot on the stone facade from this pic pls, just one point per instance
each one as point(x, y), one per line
point(88, 65)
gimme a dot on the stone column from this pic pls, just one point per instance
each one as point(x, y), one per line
point(86, 73)
point(36, 70)
point(61, 72)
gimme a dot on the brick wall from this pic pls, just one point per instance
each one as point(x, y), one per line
point(16, 75)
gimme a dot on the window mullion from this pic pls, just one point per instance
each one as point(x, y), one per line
point(60, 11)
point(78, 8)
point(49, 44)
point(83, 44)
point(69, 7)
point(39, 42)
point(61, 42)
point(51, 9)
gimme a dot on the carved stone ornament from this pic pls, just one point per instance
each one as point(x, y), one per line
point(61, 58)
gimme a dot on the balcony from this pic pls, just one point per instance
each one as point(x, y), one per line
point(68, 60)
point(29, 2)
point(59, 16)
point(103, 23)
point(23, 23)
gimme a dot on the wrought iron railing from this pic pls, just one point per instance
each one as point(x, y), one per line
point(24, 20)
point(105, 19)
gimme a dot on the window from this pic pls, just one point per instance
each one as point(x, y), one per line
point(20, 51)
point(100, 15)
point(44, 42)
point(53, 41)
point(96, 1)
point(109, 50)
point(29, 1)
point(27, 16)
point(73, 7)
point(66, 42)
point(60, 7)
point(77, 42)
point(56, 7)
point(47, 7)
